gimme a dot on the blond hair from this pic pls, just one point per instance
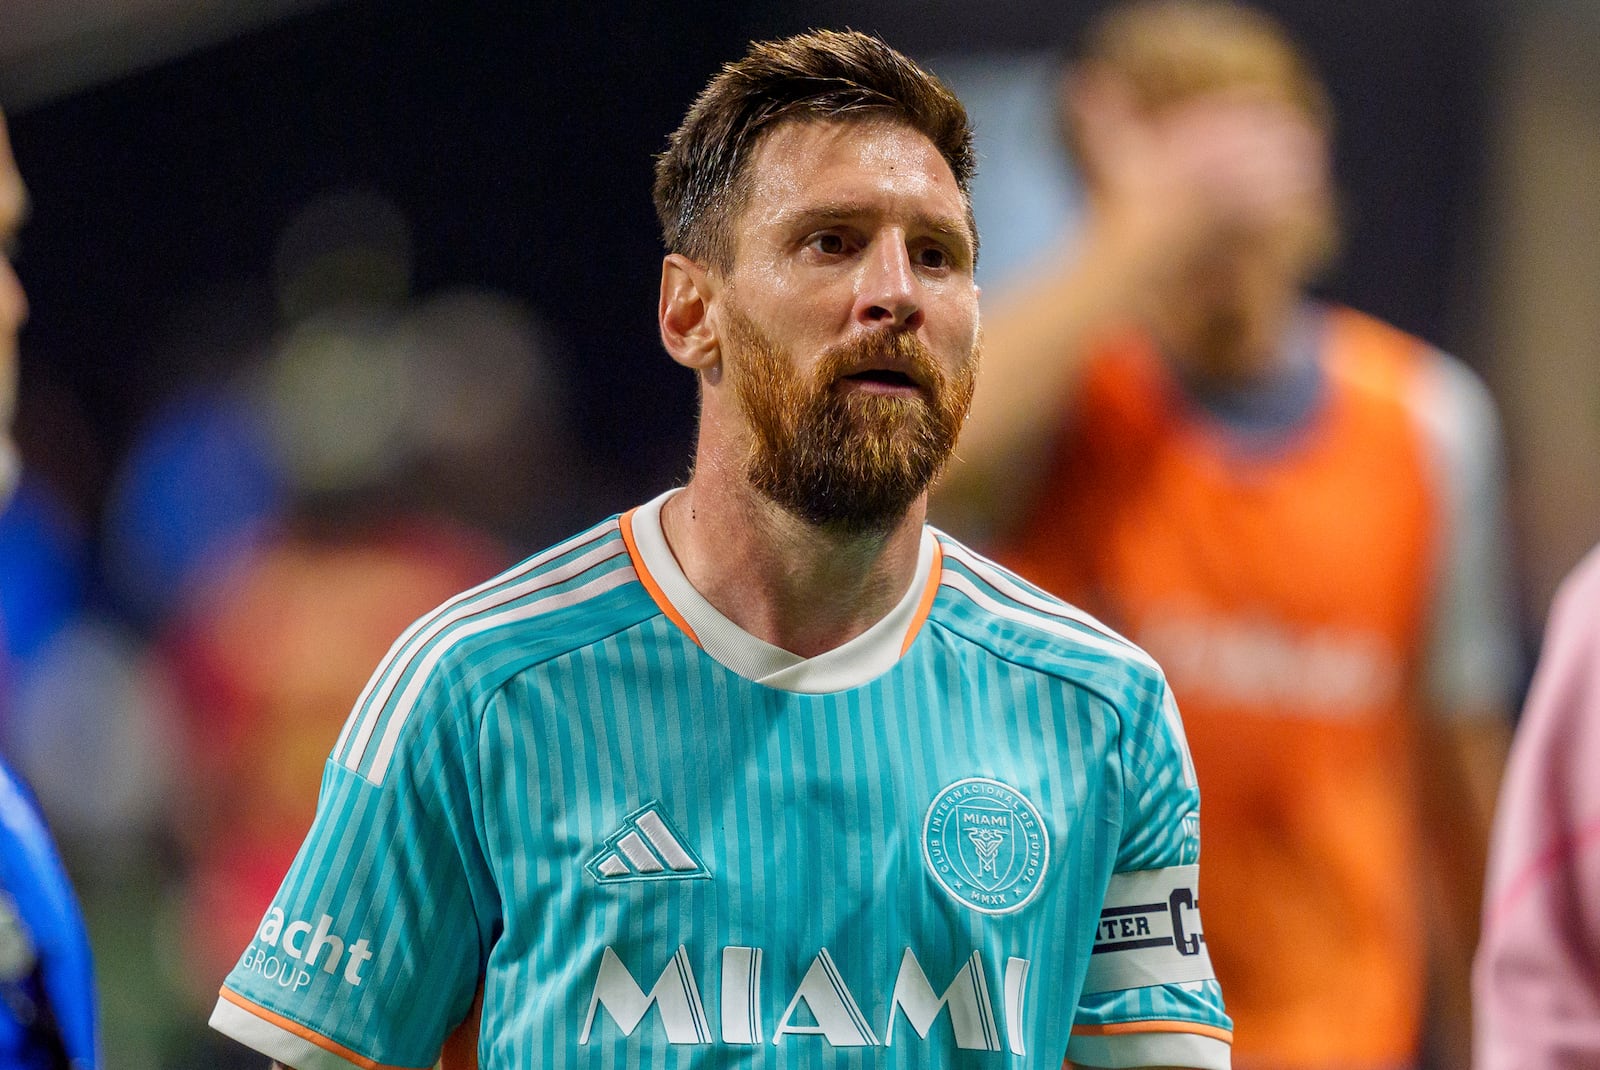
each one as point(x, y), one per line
point(1167, 52)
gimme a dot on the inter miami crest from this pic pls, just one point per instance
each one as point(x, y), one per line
point(986, 845)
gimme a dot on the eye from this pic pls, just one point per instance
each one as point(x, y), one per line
point(828, 243)
point(934, 257)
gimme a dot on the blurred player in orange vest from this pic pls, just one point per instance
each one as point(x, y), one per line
point(1294, 507)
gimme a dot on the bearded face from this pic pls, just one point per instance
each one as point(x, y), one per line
point(832, 453)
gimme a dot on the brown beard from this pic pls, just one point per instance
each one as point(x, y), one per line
point(841, 459)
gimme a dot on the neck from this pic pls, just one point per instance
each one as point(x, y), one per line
point(797, 586)
point(1232, 340)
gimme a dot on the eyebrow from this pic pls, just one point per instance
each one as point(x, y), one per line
point(833, 212)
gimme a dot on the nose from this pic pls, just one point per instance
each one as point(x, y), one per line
point(890, 294)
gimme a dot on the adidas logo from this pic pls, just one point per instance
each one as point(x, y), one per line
point(646, 847)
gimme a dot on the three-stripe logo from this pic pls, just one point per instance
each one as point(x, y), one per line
point(646, 847)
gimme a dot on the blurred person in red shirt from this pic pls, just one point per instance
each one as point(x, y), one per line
point(270, 655)
point(270, 647)
point(1293, 506)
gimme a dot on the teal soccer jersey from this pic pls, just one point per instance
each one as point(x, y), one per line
point(580, 819)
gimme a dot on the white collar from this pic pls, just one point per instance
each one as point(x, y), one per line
point(863, 658)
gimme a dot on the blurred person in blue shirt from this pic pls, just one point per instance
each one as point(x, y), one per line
point(47, 998)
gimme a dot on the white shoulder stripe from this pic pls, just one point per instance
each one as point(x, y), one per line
point(1010, 585)
point(394, 662)
point(1094, 640)
point(431, 642)
point(1045, 623)
point(380, 697)
point(407, 701)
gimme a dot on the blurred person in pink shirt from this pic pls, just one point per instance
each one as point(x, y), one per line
point(1537, 977)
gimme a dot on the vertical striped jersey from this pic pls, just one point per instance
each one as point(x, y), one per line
point(578, 818)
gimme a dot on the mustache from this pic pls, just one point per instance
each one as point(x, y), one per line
point(899, 351)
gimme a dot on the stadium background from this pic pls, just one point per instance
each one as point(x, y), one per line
point(369, 264)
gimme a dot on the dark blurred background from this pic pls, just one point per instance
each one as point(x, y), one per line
point(355, 301)
point(516, 141)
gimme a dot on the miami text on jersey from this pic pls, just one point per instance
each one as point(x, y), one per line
point(831, 1011)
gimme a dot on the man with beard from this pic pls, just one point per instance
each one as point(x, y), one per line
point(765, 770)
point(1294, 507)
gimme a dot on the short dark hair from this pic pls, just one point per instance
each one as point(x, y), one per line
point(702, 178)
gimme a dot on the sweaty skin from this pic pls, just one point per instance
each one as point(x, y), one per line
point(850, 228)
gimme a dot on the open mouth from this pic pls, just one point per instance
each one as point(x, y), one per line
point(883, 377)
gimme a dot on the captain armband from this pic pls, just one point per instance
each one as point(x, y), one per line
point(1149, 932)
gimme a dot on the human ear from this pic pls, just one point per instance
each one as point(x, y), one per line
point(687, 330)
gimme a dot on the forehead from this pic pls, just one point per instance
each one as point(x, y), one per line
point(880, 164)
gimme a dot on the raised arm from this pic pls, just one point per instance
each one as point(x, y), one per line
point(1034, 345)
point(1163, 191)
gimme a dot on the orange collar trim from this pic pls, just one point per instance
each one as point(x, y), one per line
point(649, 581)
point(659, 595)
point(929, 593)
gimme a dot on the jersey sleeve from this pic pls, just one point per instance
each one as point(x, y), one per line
point(1471, 661)
point(371, 953)
point(1150, 997)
